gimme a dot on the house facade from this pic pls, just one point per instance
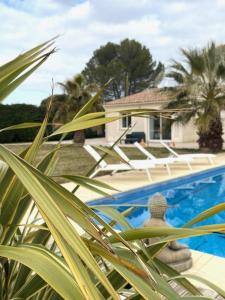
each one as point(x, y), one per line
point(155, 128)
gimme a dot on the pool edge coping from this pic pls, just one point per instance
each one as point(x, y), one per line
point(163, 181)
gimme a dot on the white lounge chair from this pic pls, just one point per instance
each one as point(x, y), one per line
point(136, 164)
point(163, 161)
point(103, 166)
point(157, 161)
point(208, 156)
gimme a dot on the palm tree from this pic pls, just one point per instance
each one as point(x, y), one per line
point(76, 94)
point(201, 92)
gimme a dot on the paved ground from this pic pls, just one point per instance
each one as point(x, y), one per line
point(205, 265)
point(133, 179)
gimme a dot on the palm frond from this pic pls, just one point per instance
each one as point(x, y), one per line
point(178, 77)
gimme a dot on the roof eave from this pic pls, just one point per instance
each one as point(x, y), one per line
point(136, 103)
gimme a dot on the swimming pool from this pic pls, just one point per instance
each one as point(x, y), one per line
point(190, 195)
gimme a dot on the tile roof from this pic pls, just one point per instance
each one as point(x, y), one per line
point(153, 95)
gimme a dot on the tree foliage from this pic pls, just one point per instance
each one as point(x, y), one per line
point(212, 139)
point(76, 93)
point(129, 63)
point(201, 92)
point(16, 114)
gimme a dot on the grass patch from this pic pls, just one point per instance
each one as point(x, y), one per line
point(75, 160)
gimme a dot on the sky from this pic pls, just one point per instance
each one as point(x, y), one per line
point(164, 26)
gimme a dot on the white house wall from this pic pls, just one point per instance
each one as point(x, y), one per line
point(182, 136)
point(114, 130)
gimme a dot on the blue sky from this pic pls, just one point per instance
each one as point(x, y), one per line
point(164, 26)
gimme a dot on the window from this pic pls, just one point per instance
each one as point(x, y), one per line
point(155, 128)
point(125, 121)
point(166, 129)
point(160, 128)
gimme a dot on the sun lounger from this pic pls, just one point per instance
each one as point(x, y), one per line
point(163, 161)
point(208, 156)
point(137, 164)
point(104, 166)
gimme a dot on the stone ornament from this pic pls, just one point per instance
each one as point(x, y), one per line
point(177, 255)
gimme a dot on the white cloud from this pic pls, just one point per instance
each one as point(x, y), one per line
point(178, 7)
point(80, 12)
point(220, 2)
point(145, 26)
point(163, 26)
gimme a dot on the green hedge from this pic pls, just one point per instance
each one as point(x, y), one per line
point(21, 113)
point(15, 114)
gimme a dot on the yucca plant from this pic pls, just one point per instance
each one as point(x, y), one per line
point(42, 253)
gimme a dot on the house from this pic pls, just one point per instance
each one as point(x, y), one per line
point(155, 128)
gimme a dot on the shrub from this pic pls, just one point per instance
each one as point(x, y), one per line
point(16, 114)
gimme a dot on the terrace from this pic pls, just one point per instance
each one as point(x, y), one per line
point(205, 265)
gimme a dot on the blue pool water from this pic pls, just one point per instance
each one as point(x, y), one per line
point(189, 195)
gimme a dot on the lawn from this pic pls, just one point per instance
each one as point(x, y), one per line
point(75, 160)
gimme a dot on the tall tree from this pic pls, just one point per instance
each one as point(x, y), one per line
point(129, 63)
point(76, 93)
point(202, 92)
